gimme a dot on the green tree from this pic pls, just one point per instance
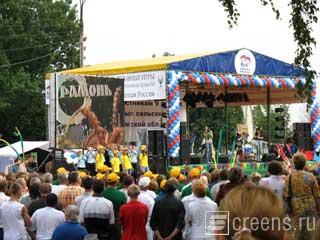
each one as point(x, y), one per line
point(260, 120)
point(214, 118)
point(304, 16)
point(37, 36)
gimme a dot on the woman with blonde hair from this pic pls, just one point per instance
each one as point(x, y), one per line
point(255, 212)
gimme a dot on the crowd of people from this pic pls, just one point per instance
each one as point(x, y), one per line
point(146, 206)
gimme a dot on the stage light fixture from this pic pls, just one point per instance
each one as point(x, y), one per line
point(164, 105)
point(279, 110)
point(246, 97)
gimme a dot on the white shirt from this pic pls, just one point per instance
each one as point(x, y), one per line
point(45, 221)
point(96, 207)
point(57, 188)
point(151, 194)
point(13, 222)
point(145, 198)
point(215, 188)
point(275, 183)
point(3, 198)
point(197, 216)
point(80, 198)
point(186, 202)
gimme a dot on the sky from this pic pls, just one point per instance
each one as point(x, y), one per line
point(127, 29)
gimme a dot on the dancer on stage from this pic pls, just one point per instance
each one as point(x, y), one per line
point(126, 161)
point(208, 139)
point(143, 159)
point(100, 157)
point(91, 161)
point(259, 137)
point(115, 162)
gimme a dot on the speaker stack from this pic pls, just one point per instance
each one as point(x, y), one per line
point(302, 136)
point(184, 144)
point(156, 148)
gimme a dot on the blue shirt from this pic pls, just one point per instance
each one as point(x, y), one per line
point(82, 161)
point(91, 157)
point(70, 231)
point(160, 196)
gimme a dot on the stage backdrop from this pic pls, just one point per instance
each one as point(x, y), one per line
point(143, 114)
point(90, 111)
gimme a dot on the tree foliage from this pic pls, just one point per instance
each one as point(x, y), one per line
point(260, 120)
point(304, 14)
point(36, 37)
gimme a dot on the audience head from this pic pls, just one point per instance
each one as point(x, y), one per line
point(199, 189)
point(153, 186)
point(44, 189)
point(34, 191)
point(235, 175)
point(52, 200)
point(3, 184)
point(175, 172)
point(87, 183)
point(98, 186)
point(171, 186)
point(127, 181)
point(207, 175)
point(72, 213)
point(299, 160)
point(195, 173)
point(144, 183)
point(133, 191)
point(266, 205)
point(204, 180)
point(16, 190)
point(47, 178)
point(34, 180)
point(63, 178)
point(113, 179)
point(275, 168)
point(74, 178)
point(255, 177)
point(223, 175)
point(214, 176)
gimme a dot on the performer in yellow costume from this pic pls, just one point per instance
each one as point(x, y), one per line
point(143, 159)
point(115, 162)
point(126, 161)
point(100, 157)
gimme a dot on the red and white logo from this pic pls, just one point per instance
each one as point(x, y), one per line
point(245, 62)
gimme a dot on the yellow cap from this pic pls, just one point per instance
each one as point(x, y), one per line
point(175, 172)
point(195, 173)
point(148, 174)
point(100, 176)
point(182, 178)
point(103, 168)
point(112, 177)
point(163, 183)
point(83, 174)
point(143, 147)
point(62, 170)
point(155, 176)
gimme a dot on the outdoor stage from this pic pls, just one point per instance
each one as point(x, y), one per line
point(231, 75)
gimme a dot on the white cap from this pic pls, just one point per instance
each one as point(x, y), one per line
point(144, 182)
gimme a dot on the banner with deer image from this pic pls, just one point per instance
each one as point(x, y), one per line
point(89, 111)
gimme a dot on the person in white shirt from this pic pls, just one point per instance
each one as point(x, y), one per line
point(63, 182)
point(45, 220)
point(144, 183)
point(148, 200)
point(275, 182)
point(96, 212)
point(15, 216)
point(87, 184)
point(196, 214)
point(223, 179)
point(3, 198)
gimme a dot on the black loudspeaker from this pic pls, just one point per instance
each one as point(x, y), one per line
point(302, 136)
point(183, 130)
point(223, 158)
point(175, 161)
point(185, 151)
point(158, 164)
point(268, 157)
point(156, 143)
point(195, 159)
